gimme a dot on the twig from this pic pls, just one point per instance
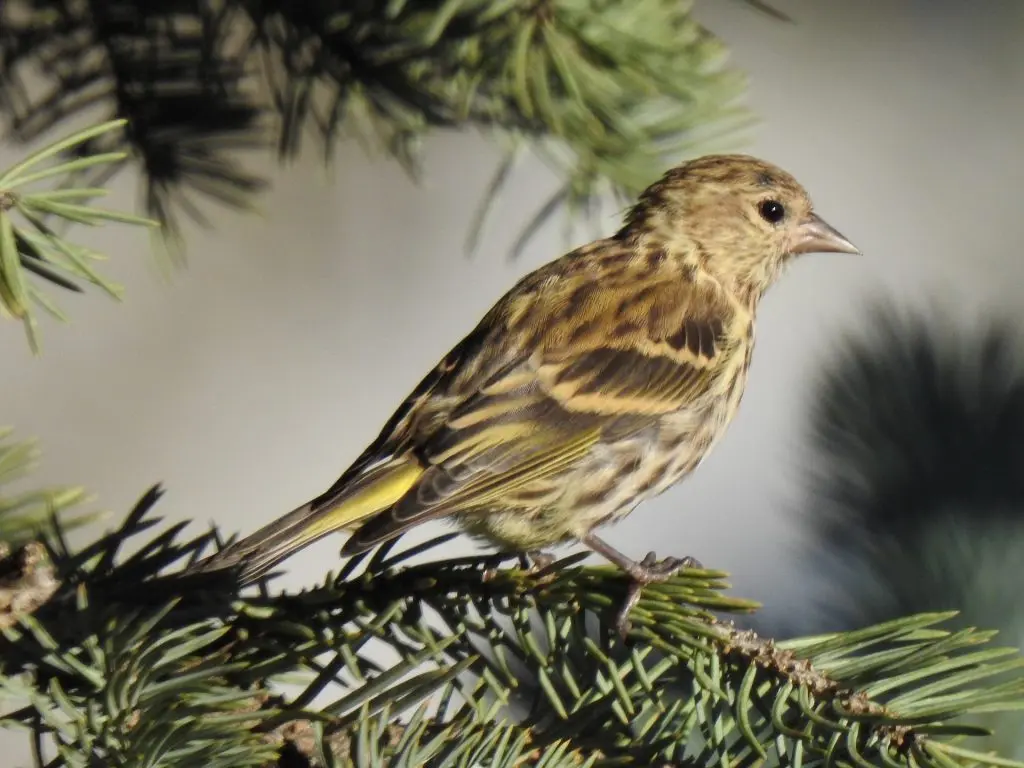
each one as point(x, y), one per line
point(27, 580)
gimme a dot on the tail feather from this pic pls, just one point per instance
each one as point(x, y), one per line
point(368, 494)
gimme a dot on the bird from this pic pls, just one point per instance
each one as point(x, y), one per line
point(598, 381)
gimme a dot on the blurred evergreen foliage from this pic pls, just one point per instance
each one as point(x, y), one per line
point(605, 90)
point(917, 492)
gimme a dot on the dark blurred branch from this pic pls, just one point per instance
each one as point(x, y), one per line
point(913, 418)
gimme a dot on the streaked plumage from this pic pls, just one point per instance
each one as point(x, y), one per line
point(598, 381)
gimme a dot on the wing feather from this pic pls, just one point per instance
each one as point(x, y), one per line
point(628, 354)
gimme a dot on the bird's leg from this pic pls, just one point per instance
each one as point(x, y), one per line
point(540, 560)
point(531, 562)
point(647, 571)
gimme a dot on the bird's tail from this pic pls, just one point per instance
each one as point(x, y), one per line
point(367, 494)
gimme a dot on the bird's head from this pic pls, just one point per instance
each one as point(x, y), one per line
point(740, 218)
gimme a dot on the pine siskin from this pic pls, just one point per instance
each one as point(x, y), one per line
point(599, 381)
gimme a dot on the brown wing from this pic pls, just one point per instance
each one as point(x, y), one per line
point(582, 359)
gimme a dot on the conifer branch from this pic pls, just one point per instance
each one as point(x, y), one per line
point(27, 580)
point(25, 515)
point(31, 244)
point(471, 661)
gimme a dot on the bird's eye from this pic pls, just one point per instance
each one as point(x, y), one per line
point(772, 211)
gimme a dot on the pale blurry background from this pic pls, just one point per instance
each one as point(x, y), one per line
point(252, 380)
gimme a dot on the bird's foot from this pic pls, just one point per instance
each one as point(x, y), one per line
point(531, 562)
point(540, 560)
point(647, 571)
point(535, 561)
point(650, 570)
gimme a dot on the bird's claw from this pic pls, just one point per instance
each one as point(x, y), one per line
point(535, 561)
point(650, 570)
point(540, 560)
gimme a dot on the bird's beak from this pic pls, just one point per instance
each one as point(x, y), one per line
point(815, 235)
